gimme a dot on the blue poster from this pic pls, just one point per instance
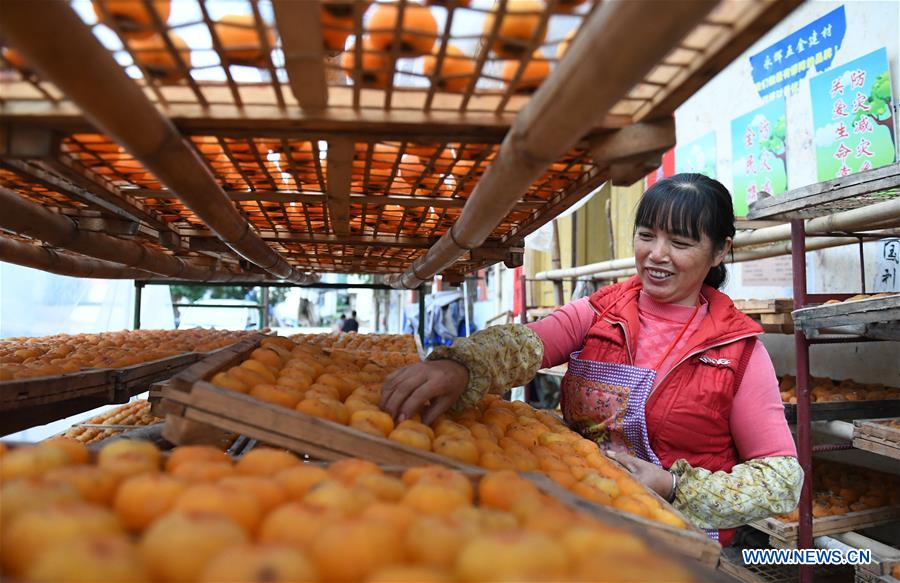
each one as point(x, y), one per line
point(698, 156)
point(758, 154)
point(852, 117)
point(778, 69)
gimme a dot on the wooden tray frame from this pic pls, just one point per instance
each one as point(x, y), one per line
point(872, 436)
point(35, 401)
point(784, 535)
point(845, 410)
point(885, 312)
point(190, 403)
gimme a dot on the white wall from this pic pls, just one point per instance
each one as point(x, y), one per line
point(870, 26)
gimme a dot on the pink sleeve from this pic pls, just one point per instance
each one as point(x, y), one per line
point(758, 424)
point(563, 331)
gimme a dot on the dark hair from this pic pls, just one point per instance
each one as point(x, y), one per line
point(690, 205)
point(354, 313)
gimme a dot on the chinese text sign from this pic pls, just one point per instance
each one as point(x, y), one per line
point(852, 117)
point(778, 69)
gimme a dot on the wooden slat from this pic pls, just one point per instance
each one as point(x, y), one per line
point(874, 444)
point(773, 306)
point(304, 56)
point(296, 431)
point(785, 534)
point(219, 360)
point(868, 311)
point(637, 139)
point(340, 167)
point(816, 199)
point(405, 121)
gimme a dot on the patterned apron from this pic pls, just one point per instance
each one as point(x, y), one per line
point(607, 403)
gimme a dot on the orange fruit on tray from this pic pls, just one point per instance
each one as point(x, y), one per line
point(131, 16)
point(178, 546)
point(153, 54)
point(375, 67)
point(248, 562)
point(457, 70)
point(99, 559)
point(32, 533)
point(142, 499)
point(349, 549)
point(517, 27)
point(240, 40)
point(265, 461)
point(418, 29)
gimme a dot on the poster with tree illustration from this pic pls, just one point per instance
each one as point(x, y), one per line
point(758, 155)
point(697, 156)
point(852, 115)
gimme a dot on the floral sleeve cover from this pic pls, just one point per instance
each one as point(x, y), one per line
point(755, 489)
point(498, 358)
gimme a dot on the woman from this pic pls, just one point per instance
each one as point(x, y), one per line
point(664, 371)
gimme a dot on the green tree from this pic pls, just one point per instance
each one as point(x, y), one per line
point(193, 293)
point(775, 144)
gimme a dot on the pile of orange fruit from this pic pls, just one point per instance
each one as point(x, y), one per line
point(136, 413)
point(839, 489)
point(404, 343)
point(245, 41)
point(30, 357)
point(344, 386)
point(196, 515)
point(825, 390)
point(859, 297)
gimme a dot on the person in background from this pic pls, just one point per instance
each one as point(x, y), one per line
point(664, 372)
point(350, 324)
point(339, 325)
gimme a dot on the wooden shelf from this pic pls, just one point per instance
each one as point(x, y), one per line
point(826, 198)
point(878, 316)
point(785, 534)
point(874, 436)
point(845, 410)
point(415, 150)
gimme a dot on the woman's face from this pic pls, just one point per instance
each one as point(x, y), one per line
point(672, 268)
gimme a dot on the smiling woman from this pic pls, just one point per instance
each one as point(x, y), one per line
point(683, 231)
point(664, 372)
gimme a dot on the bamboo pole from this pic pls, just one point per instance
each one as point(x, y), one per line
point(844, 221)
point(772, 250)
point(55, 41)
point(607, 60)
point(33, 220)
point(52, 261)
point(852, 220)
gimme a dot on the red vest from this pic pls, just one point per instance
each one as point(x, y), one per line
point(688, 413)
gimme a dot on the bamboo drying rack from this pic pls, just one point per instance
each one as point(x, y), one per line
point(292, 164)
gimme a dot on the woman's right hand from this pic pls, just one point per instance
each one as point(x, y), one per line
point(437, 383)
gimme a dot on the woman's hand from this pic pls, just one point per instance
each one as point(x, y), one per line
point(437, 383)
point(651, 475)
